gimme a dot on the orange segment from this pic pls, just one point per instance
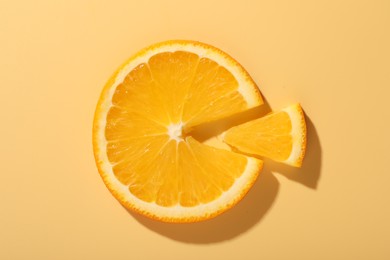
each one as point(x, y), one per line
point(212, 177)
point(213, 94)
point(280, 136)
point(120, 122)
point(173, 74)
point(138, 94)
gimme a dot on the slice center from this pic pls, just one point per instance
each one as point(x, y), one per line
point(175, 131)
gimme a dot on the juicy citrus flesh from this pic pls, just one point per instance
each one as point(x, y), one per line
point(141, 142)
point(179, 87)
point(175, 173)
point(280, 136)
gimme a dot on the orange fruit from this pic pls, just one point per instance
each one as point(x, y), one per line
point(280, 136)
point(141, 133)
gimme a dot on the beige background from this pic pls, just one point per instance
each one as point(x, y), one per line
point(332, 56)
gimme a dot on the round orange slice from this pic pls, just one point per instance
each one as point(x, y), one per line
point(141, 132)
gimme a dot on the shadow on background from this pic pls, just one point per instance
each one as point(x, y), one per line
point(254, 206)
point(309, 173)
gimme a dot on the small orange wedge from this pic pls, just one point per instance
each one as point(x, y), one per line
point(280, 136)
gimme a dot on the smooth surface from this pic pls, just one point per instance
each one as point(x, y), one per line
point(331, 56)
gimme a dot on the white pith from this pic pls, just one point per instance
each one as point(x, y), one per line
point(296, 133)
point(175, 131)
